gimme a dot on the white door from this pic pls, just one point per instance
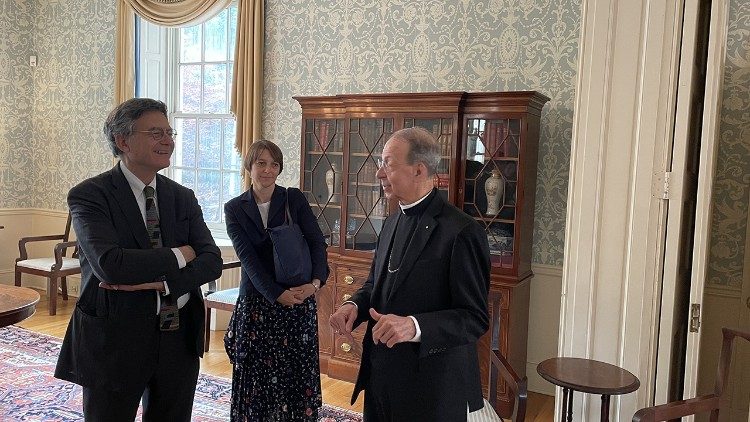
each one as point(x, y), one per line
point(689, 193)
point(680, 190)
point(709, 139)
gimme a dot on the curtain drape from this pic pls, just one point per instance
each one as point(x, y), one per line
point(124, 54)
point(162, 12)
point(247, 77)
point(247, 83)
point(178, 12)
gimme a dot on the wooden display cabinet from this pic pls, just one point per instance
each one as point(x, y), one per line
point(489, 145)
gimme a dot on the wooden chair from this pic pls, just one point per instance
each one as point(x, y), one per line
point(498, 364)
point(221, 299)
point(55, 267)
point(713, 403)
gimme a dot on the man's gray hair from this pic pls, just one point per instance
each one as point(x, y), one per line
point(121, 120)
point(423, 148)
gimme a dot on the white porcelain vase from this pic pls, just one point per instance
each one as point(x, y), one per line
point(494, 188)
point(331, 182)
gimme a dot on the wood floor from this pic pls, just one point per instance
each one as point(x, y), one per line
point(215, 362)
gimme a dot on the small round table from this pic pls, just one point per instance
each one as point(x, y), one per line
point(16, 304)
point(587, 376)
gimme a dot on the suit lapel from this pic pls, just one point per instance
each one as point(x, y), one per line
point(124, 196)
point(422, 233)
point(278, 202)
point(250, 208)
point(167, 218)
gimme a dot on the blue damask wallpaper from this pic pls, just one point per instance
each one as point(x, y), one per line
point(357, 46)
point(16, 97)
point(731, 194)
point(51, 114)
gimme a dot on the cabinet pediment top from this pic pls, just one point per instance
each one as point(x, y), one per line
point(446, 102)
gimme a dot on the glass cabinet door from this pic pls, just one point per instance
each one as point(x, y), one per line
point(442, 129)
point(491, 180)
point(366, 205)
point(322, 177)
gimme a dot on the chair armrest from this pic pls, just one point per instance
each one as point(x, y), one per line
point(24, 240)
point(60, 251)
point(225, 266)
point(677, 409)
point(231, 264)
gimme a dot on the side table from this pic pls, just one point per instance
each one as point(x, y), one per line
point(16, 304)
point(587, 376)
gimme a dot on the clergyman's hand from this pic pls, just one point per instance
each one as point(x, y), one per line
point(391, 329)
point(342, 320)
point(153, 285)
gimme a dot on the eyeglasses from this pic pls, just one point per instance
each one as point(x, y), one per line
point(385, 165)
point(158, 133)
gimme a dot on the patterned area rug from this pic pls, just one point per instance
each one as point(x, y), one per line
point(29, 392)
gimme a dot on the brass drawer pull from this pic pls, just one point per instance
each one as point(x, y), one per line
point(348, 279)
point(346, 297)
point(346, 347)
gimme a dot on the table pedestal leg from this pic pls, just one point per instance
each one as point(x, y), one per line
point(567, 406)
point(605, 408)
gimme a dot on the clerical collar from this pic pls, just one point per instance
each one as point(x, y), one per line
point(418, 207)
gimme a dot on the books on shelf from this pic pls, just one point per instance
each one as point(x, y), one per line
point(442, 180)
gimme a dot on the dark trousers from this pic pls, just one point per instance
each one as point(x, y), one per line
point(169, 392)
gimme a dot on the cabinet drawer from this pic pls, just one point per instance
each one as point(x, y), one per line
point(350, 350)
point(344, 293)
point(350, 277)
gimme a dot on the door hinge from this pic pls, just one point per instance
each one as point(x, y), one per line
point(695, 317)
point(661, 185)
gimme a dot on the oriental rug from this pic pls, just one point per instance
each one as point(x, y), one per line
point(29, 392)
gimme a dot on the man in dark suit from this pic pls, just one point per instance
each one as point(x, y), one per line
point(425, 300)
point(137, 330)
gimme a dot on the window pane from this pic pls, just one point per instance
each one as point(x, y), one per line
point(232, 185)
point(209, 149)
point(209, 195)
point(232, 159)
point(190, 88)
point(190, 42)
point(184, 148)
point(232, 31)
point(185, 177)
point(216, 38)
point(215, 88)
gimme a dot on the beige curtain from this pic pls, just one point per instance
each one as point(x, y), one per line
point(162, 12)
point(178, 12)
point(124, 54)
point(247, 83)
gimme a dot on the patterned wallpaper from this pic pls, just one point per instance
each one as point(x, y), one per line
point(358, 46)
point(52, 113)
point(16, 94)
point(731, 194)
